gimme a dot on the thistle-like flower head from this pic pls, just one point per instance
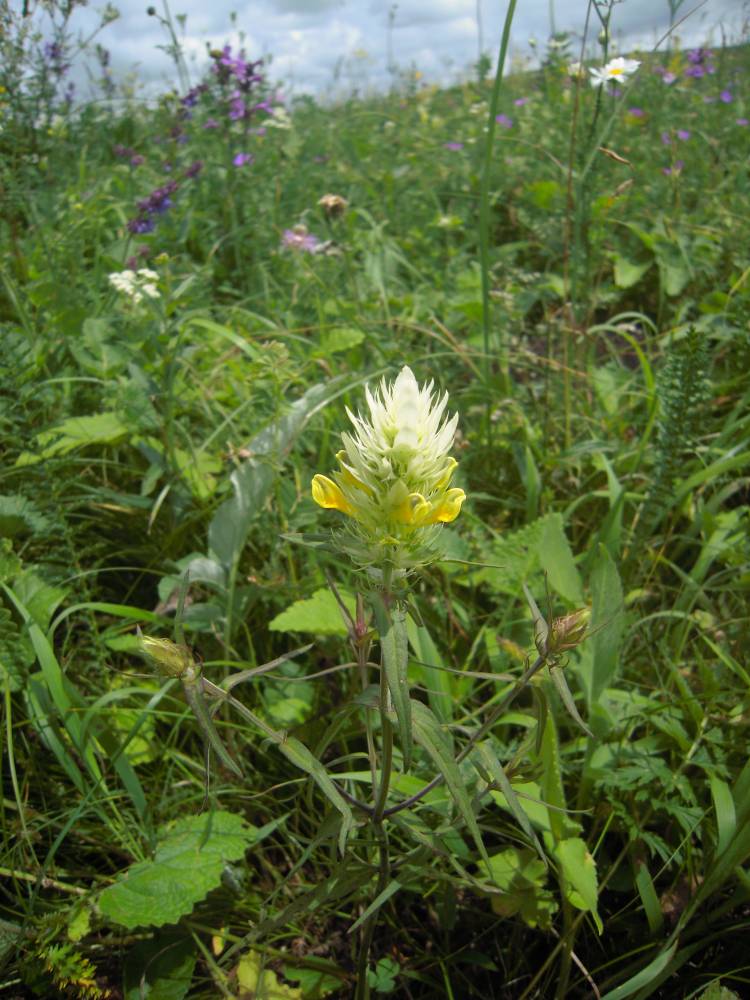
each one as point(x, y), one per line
point(394, 471)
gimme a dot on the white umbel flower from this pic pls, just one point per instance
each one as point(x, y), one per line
point(136, 284)
point(615, 69)
point(395, 470)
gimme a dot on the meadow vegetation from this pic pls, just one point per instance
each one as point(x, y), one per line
point(184, 320)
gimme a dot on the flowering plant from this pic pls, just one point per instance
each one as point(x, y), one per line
point(394, 474)
point(616, 69)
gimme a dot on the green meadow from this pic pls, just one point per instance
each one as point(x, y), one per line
point(257, 748)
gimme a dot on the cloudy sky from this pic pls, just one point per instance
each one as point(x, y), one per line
point(330, 46)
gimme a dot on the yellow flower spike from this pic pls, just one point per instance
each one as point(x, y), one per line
point(327, 494)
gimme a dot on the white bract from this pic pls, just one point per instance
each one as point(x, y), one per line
point(136, 284)
point(615, 69)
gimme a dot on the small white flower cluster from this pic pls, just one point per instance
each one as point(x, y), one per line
point(279, 119)
point(136, 284)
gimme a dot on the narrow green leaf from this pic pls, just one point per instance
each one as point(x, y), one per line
point(391, 624)
point(726, 819)
point(203, 718)
point(606, 624)
point(551, 778)
point(561, 683)
point(430, 735)
point(390, 890)
point(301, 757)
point(500, 778)
point(645, 977)
point(436, 680)
point(645, 886)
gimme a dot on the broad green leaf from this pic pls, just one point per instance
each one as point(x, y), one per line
point(75, 432)
point(187, 865)
point(521, 877)
point(319, 614)
point(628, 273)
point(160, 968)
point(262, 983)
point(556, 559)
point(429, 734)
point(579, 869)
point(391, 623)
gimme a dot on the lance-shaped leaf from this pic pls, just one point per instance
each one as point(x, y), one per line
point(498, 776)
point(203, 717)
point(430, 735)
point(558, 678)
point(394, 645)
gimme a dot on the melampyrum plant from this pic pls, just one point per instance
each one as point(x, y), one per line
point(394, 490)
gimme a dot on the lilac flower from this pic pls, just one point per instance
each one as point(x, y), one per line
point(159, 201)
point(237, 109)
point(242, 158)
point(191, 98)
point(504, 121)
point(668, 78)
point(210, 123)
point(637, 112)
point(453, 146)
point(520, 101)
point(743, 121)
point(698, 56)
point(298, 240)
point(726, 96)
point(675, 170)
point(683, 135)
point(137, 160)
point(666, 138)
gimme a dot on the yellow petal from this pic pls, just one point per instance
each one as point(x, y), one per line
point(447, 509)
point(447, 473)
point(327, 494)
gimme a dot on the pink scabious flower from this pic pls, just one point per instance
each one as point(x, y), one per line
point(683, 134)
point(726, 97)
point(744, 122)
point(636, 112)
point(520, 101)
point(504, 121)
point(668, 78)
point(453, 146)
point(298, 240)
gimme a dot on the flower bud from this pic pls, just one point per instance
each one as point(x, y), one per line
point(169, 658)
point(568, 632)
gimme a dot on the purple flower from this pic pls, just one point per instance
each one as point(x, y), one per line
point(298, 240)
point(191, 98)
point(141, 224)
point(674, 170)
point(210, 123)
point(698, 56)
point(726, 96)
point(122, 151)
point(668, 78)
point(520, 101)
point(137, 160)
point(453, 146)
point(695, 71)
point(743, 121)
point(159, 201)
point(683, 135)
point(242, 158)
point(666, 138)
point(194, 169)
point(504, 121)
point(237, 109)
point(637, 112)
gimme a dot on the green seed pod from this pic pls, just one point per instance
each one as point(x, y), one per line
point(169, 658)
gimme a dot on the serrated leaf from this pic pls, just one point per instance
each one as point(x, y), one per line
point(579, 870)
point(319, 614)
point(187, 865)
